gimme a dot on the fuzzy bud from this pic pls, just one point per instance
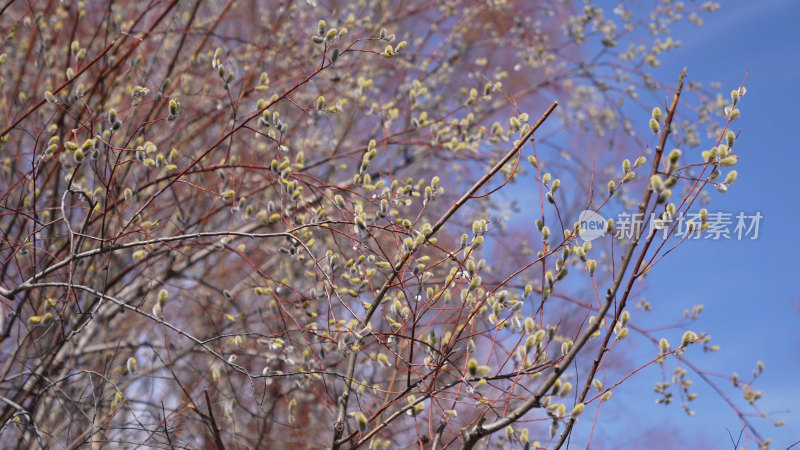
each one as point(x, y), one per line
point(730, 138)
point(131, 365)
point(629, 177)
point(729, 160)
point(472, 367)
point(654, 126)
point(162, 296)
point(610, 226)
point(735, 96)
point(657, 113)
point(657, 184)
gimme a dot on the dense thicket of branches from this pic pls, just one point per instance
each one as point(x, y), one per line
point(336, 224)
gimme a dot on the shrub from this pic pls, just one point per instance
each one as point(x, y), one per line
point(302, 224)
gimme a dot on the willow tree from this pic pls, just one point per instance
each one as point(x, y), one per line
point(342, 224)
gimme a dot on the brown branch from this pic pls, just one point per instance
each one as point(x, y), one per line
point(642, 209)
point(214, 426)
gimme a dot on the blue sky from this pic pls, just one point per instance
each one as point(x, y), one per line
point(749, 287)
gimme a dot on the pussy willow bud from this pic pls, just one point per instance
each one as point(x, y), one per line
point(629, 177)
point(729, 160)
point(174, 107)
point(339, 200)
point(657, 184)
point(688, 337)
point(162, 296)
point(663, 345)
point(735, 96)
point(131, 365)
point(472, 367)
point(362, 421)
point(664, 196)
point(673, 157)
point(656, 113)
point(654, 126)
point(730, 138)
point(610, 226)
